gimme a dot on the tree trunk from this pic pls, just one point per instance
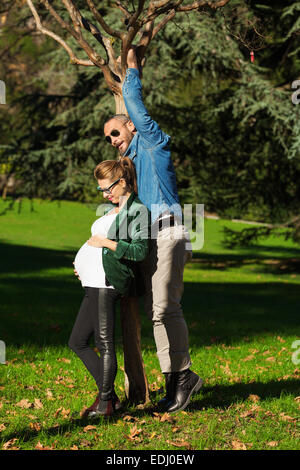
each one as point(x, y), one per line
point(120, 105)
point(136, 384)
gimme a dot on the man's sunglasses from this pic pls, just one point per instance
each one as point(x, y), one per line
point(114, 133)
point(108, 190)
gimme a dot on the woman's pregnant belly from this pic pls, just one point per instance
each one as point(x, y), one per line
point(88, 264)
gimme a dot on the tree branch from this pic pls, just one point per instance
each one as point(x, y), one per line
point(76, 32)
point(163, 22)
point(202, 3)
point(123, 9)
point(98, 17)
point(42, 29)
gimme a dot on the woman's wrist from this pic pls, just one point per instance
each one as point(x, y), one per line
point(110, 244)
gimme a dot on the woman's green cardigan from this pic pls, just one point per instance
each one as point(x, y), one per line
point(131, 230)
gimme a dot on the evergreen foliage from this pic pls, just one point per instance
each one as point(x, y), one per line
point(235, 131)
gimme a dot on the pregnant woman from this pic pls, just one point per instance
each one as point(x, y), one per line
point(108, 267)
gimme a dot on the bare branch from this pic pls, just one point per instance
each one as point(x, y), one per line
point(202, 3)
point(76, 32)
point(101, 21)
point(155, 12)
point(135, 16)
point(58, 18)
point(163, 22)
point(42, 29)
point(75, 16)
point(158, 4)
point(123, 9)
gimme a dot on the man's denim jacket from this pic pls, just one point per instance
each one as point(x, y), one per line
point(149, 150)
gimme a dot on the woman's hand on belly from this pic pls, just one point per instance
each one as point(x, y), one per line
point(76, 273)
point(100, 242)
point(97, 241)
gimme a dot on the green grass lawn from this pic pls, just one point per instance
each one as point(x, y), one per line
point(242, 308)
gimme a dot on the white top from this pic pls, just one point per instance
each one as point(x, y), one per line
point(88, 261)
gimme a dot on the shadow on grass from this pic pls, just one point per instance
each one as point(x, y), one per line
point(39, 307)
point(223, 396)
point(264, 264)
point(217, 397)
point(19, 258)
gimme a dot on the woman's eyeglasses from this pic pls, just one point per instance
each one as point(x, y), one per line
point(108, 190)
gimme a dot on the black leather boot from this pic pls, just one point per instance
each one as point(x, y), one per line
point(187, 383)
point(116, 402)
point(104, 408)
point(170, 382)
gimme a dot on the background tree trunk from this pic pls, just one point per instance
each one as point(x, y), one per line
point(120, 105)
point(136, 384)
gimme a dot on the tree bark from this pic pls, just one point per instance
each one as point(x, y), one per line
point(120, 105)
point(136, 384)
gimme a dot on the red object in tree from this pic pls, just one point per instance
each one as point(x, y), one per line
point(252, 56)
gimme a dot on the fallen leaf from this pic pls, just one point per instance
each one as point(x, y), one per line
point(134, 432)
point(35, 426)
point(270, 359)
point(63, 359)
point(285, 417)
point(24, 404)
point(254, 398)
point(180, 444)
point(38, 404)
point(226, 369)
point(9, 444)
point(49, 394)
point(85, 443)
point(2, 427)
point(238, 445)
point(74, 448)
point(40, 446)
point(65, 413)
point(248, 358)
point(57, 412)
point(129, 418)
point(175, 429)
point(167, 417)
point(272, 443)
point(89, 428)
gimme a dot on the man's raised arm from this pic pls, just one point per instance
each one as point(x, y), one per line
point(132, 93)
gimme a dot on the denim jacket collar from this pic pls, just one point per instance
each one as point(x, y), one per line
point(131, 150)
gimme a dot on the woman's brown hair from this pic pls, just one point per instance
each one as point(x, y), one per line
point(114, 169)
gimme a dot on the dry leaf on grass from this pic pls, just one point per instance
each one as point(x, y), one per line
point(134, 433)
point(285, 417)
point(254, 398)
point(24, 404)
point(272, 443)
point(38, 405)
point(40, 446)
point(238, 445)
point(10, 445)
point(181, 443)
point(35, 426)
point(89, 428)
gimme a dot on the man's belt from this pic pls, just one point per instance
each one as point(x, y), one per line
point(166, 222)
